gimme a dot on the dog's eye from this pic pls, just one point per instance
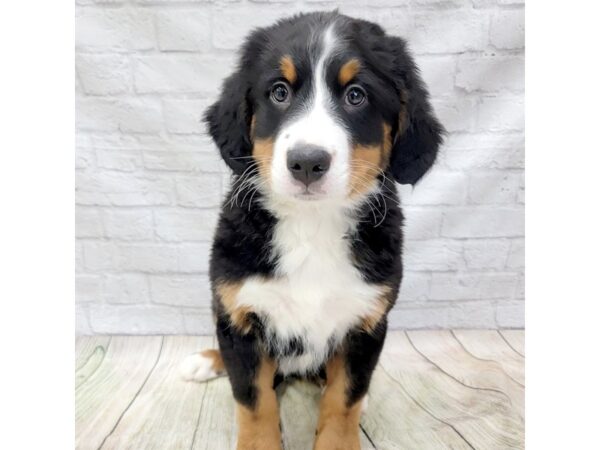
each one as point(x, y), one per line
point(280, 92)
point(355, 95)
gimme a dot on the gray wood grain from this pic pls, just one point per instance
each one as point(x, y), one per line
point(432, 390)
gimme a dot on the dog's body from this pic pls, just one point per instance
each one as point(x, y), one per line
point(323, 114)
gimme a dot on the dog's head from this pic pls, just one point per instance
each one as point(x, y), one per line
point(322, 106)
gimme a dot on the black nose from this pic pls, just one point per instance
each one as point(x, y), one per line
point(308, 163)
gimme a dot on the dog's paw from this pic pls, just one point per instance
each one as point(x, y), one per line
point(365, 404)
point(199, 367)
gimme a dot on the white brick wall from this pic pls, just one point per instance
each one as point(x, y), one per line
point(149, 182)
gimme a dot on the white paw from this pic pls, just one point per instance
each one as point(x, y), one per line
point(197, 367)
point(365, 404)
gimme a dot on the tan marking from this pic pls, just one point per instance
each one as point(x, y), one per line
point(367, 162)
point(263, 154)
point(259, 426)
point(217, 361)
point(227, 293)
point(338, 426)
point(288, 70)
point(380, 308)
point(348, 71)
point(387, 145)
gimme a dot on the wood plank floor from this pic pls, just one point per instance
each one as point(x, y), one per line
point(431, 390)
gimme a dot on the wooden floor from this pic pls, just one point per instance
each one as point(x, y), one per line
point(431, 390)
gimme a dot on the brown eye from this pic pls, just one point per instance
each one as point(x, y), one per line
point(355, 95)
point(280, 92)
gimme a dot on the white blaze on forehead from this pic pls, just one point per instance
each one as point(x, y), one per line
point(317, 125)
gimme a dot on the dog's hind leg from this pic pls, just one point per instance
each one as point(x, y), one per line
point(202, 366)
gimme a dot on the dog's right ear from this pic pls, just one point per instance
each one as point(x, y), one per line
point(229, 121)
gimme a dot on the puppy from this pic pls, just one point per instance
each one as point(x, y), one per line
point(323, 114)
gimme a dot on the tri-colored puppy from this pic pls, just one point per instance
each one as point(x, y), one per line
point(322, 116)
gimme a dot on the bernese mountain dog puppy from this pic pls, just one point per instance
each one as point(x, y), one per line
point(322, 116)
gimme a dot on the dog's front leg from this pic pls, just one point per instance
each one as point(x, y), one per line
point(348, 377)
point(251, 375)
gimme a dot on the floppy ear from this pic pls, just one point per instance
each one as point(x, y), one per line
point(419, 133)
point(229, 120)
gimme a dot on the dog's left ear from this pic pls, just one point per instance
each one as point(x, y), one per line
point(418, 133)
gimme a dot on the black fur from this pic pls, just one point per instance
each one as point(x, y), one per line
point(241, 354)
point(362, 353)
point(242, 245)
point(392, 79)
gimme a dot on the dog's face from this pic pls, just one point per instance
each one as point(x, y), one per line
point(322, 106)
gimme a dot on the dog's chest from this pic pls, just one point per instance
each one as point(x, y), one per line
point(317, 294)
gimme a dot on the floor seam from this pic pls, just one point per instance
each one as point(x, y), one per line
point(468, 386)
point(429, 413)
point(509, 344)
point(135, 396)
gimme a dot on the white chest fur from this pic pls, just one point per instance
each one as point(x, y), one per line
point(317, 295)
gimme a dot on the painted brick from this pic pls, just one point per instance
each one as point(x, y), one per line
point(438, 187)
point(130, 319)
point(193, 291)
point(132, 225)
point(149, 181)
point(84, 158)
point(123, 189)
point(104, 74)
point(185, 116)
point(193, 258)
point(147, 258)
point(516, 256)
point(127, 289)
point(422, 223)
point(510, 314)
point(184, 30)
point(484, 151)
point(415, 287)
point(203, 190)
point(182, 161)
point(88, 223)
point(136, 115)
point(434, 254)
point(176, 73)
point(520, 292)
point(119, 30)
point(143, 257)
point(458, 286)
point(231, 26)
point(507, 29)
point(483, 222)
point(88, 288)
point(486, 253)
point(185, 225)
point(79, 258)
point(438, 73)
point(82, 324)
point(124, 161)
point(491, 73)
point(450, 31)
point(456, 113)
point(501, 114)
point(493, 187)
point(521, 193)
point(458, 315)
point(198, 322)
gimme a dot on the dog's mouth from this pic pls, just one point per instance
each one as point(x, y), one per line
point(309, 195)
point(313, 191)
